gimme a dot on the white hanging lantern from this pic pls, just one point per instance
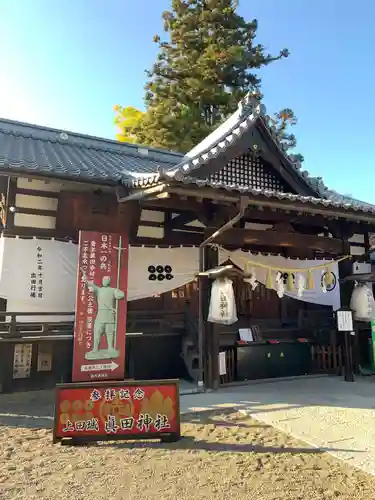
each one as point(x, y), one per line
point(222, 303)
point(362, 302)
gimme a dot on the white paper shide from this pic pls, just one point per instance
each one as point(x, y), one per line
point(222, 303)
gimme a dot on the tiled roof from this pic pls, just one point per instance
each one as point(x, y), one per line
point(224, 136)
point(249, 112)
point(335, 201)
point(29, 149)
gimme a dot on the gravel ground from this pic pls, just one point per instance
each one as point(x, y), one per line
point(221, 456)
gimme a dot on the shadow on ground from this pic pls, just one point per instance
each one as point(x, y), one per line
point(36, 409)
point(189, 443)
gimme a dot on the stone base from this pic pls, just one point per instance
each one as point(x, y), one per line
point(102, 354)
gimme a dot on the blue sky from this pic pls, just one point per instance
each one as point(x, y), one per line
point(65, 63)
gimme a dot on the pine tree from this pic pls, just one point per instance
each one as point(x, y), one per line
point(208, 64)
point(280, 122)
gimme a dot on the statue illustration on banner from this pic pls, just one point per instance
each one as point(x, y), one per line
point(100, 320)
point(106, 319)
point(105, 322)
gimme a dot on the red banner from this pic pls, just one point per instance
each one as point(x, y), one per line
point(126, 410)
point(100, 321)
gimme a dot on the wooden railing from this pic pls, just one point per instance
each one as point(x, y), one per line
point(230, 361)
point(156, 322)
point(327, 359)
point(13, 326)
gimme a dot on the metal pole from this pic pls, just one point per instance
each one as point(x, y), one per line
point(244, 201)
point(119, 250)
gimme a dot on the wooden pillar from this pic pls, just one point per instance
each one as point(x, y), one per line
point(346, 289)
point(211, 335)
point(345, 269)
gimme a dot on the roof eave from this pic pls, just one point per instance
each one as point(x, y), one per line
point(246, 118)
point(292, 165)
point(283, 201)
point(20, 172)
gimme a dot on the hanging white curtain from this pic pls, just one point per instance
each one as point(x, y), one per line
point(317, 295)
point(158, 270)
point(38, 276)
point(41, 275)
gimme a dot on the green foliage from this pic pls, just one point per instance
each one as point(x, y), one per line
point(128, 120)
point(208, 63)
point(205, 68)
point(280, 123)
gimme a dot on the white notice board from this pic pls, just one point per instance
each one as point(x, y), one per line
point(222, 364)
point(344, 320)
point(22, 360)
point(246, 334)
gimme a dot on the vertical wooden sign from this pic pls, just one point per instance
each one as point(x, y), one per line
point(100, 321)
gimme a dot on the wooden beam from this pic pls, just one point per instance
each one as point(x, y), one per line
point(266, 202)
point(266, 215)
point(128, 217)
point(178, 203)
point(36, 211)
point(33, 232)
point(241, 237)
point(36, 192)
point(10, 202)
point(176, 238)
point(259, 241)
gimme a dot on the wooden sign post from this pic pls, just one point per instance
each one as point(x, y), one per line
point(344, 318)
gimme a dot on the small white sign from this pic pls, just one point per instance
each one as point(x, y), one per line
point(246, 334)
point(44, 362)
point(100, 367)
point(22, 360)
point(344, 321)
point(222, 364)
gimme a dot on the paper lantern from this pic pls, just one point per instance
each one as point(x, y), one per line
point(222, 308)
point(362, 303)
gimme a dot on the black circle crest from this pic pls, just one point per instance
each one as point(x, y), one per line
point(160, 273)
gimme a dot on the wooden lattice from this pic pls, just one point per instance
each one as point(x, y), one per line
point(249, 170)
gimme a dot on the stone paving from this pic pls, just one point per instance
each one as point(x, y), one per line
point(325, 412)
